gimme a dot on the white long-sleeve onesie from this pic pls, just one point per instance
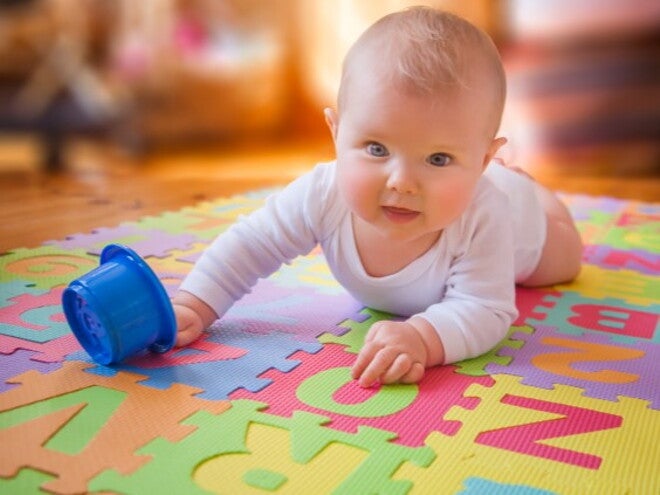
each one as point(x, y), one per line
point(464, 286)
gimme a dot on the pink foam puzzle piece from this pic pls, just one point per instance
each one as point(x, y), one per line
point(529, 301)
point(331, 392)
point(52, 351)
point(200, 351)
point(36, 316)
point(572, 313)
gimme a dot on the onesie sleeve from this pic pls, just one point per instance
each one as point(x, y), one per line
point(288, 225)
point(479, 302)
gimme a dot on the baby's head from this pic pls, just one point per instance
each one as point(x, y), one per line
point(419, 106)
point(427, 52)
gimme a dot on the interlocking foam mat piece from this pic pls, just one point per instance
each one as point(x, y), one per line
point(568, 403)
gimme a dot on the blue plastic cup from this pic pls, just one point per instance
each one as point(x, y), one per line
point(120, 308)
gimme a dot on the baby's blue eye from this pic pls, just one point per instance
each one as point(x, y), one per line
point(377, 149)
point(439, 159)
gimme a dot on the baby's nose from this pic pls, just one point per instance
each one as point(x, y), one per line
point(402, 179)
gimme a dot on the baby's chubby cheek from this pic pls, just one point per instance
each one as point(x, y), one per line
point(357, 189)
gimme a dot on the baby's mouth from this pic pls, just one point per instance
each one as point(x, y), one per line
point(399, 215)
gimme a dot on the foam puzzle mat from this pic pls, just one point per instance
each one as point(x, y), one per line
point(568, 403)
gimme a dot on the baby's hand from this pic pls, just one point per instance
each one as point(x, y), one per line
point(192, 315)
point(188, 324)
point(393, 352)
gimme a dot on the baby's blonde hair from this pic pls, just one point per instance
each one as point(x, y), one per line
point(427, 50)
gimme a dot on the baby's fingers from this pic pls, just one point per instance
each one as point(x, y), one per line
point(379, 365)
point(414, 375)
point(399, 369)
point(363, 360)
point(187, 336)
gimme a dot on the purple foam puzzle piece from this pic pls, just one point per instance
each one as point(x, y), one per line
point(52, 351)
point(637, 372)
point(18, 362)
point(99, 237)
point(156, 243)
point(631, 259)
point(300, 311)
point(170, 281)
point(581, 205)
point(190, 258)
point(648, 208)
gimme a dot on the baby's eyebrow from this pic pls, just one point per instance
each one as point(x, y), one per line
point(445, 148)
point(372, 138)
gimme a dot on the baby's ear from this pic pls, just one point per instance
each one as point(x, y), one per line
point(494, 147)
point(332, 120)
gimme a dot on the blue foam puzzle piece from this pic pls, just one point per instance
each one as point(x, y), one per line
point(219, 378)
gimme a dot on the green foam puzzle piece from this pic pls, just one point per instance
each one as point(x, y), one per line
point(46, 267)
point(354, 339)
point(87, 419)
point(477, 366)
point(26, 481)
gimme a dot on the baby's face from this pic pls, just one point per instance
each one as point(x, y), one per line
point(408, 164)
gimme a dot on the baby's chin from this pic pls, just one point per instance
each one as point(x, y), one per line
point(407, 233)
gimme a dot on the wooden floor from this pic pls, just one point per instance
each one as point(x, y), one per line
point(101, 187)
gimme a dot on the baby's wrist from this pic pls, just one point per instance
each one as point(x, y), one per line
point(435, 354)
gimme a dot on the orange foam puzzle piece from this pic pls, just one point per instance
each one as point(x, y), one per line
point(158, 412)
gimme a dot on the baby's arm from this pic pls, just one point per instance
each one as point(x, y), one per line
point(252, 248)
point(398, 352)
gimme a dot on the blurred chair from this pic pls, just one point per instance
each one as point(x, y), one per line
point(47, 85)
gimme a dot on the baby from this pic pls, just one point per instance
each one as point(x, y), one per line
point(414, 216)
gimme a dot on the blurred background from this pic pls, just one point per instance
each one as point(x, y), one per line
point(154, 76)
